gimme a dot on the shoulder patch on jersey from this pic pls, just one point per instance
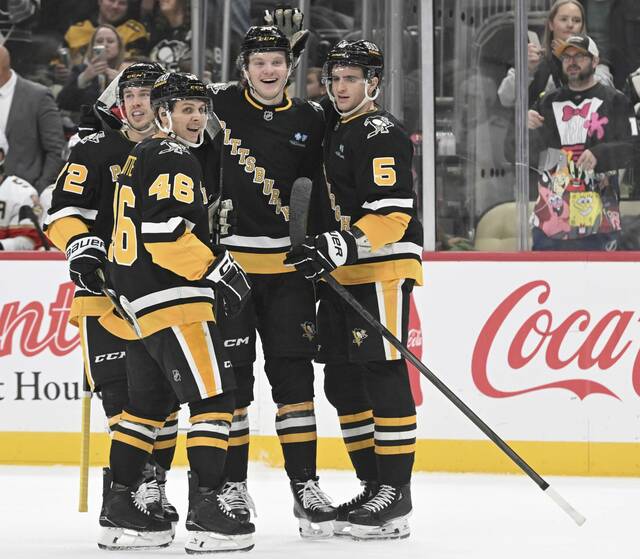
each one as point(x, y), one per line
point(94, 138)
point(380, 125)
point(171, 146)
point(316, 106)
point(220, 86)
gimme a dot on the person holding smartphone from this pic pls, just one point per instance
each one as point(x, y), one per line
point(100, 66)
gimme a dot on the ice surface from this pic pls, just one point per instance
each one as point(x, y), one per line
point(455, 516)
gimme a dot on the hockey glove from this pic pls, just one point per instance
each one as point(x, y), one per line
point(229, 281)
point(86, 256)
point(322, 254)
point(289, 21)
point(223, 219)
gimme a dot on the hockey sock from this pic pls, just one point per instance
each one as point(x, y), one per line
point(164, 447)
point(131, 444)
point(296, 428)
point(395, 445)
point(238, 451)
point(207, 442)
point(357, 432)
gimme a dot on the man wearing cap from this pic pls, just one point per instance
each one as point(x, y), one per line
point(581, 134)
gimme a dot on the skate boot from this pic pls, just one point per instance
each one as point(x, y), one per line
point(383, 517)
point(126, 522)
point(170, 512)
point(237, 498)
point(149, 492)
point(341, 525)
point(211, 524)
point(313, 509)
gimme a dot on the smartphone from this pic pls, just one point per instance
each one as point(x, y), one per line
point(64, 56)
point(533, 38)
point(98, 51)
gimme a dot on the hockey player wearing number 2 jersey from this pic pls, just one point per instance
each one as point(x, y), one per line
point(373, 248)
point(268, 141)
point(81, 215)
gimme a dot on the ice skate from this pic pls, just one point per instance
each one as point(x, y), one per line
point(313, 509)
point(341, 525)
point(383, 517)
point(211, 524)
point(126, 522)
point(170, 512)
point(237, 497)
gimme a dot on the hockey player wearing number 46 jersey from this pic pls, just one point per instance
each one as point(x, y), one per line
point(373, 247)
point(268, 141)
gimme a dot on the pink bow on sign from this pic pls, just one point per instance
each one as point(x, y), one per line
point(569, 112)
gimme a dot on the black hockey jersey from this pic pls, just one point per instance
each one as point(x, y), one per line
point(82, 201)
point(368, 171)
point(265, 149)
point(159, 249)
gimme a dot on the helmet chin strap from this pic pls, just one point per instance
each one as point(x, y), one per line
point(366, 99)
point(168, 130)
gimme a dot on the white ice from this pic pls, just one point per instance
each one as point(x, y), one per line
point(455, 516)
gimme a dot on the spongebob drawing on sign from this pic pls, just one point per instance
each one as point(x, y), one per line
point(585, 211)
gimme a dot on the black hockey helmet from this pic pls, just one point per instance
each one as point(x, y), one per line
point(363, 54)
point(140, 74)
point(177, 86)
point(264, 38)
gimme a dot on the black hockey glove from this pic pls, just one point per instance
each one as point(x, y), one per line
point(322, 254)
point(229, 281)
point(86, 256)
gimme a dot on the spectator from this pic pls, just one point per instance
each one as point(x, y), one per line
point(19, 204)
point(589, 132)
point(32, 124)
point(566, 18)
point(113, 12)
point(171, 35)
point(101, 65)
point(17, 17)
point(624, 20)
point(316, 90)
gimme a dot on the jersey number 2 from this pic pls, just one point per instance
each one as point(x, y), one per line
point(383, 172)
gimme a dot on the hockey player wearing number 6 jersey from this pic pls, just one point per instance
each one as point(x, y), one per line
point(268, 141)
point(373, 247)
point(164, 271)
point(81, 213)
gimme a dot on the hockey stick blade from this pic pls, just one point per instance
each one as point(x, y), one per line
point(299, 209)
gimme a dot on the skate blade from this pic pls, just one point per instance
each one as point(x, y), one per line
point(395, 529)
point(315, 530)
point(115, 539)
point(341, 528)
point(212, 542)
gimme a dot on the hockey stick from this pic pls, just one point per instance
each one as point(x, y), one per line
point(122, 306)
point(26, 212)
point(298, 209)
point(85, 441)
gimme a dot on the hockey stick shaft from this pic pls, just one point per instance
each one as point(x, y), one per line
point(85, 442)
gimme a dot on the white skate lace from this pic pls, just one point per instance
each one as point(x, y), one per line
point(138, 500)
point(224, 507)
point(236, 495)
point(150, 493)
point(385, 496)
point(312, 496)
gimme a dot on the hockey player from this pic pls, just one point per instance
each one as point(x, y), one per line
point(164, 271)
point(18, 206)
point(269, 140)
point(374, 250)
point(81, 212)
